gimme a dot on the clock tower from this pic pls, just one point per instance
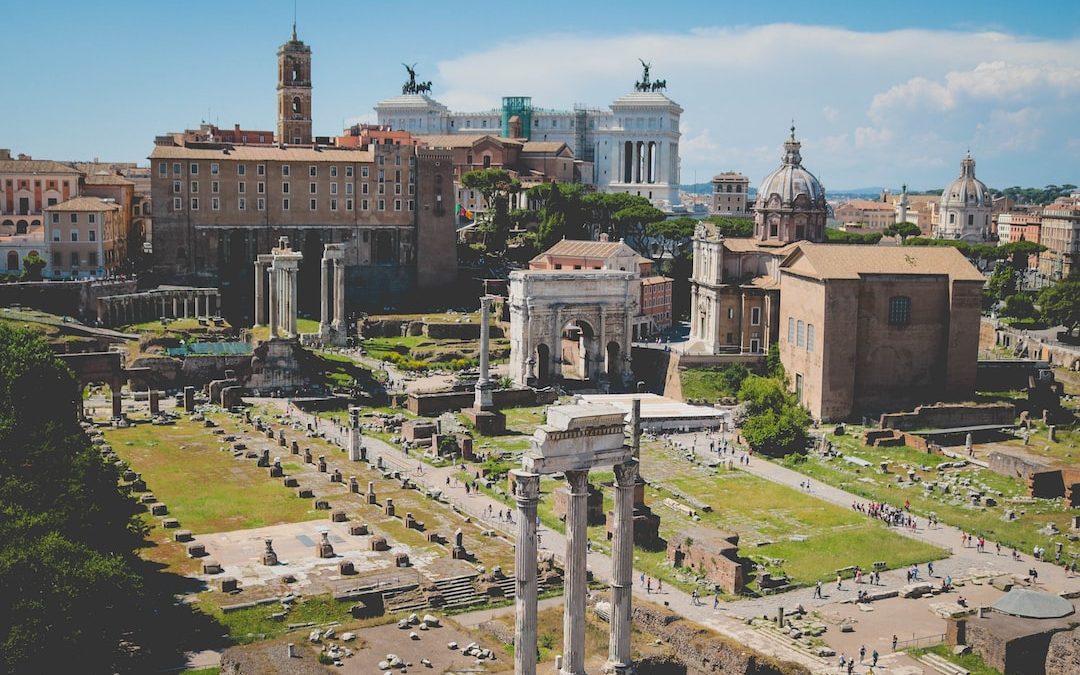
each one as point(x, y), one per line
point(294, 92)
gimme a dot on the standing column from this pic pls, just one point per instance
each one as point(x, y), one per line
point(293, 301)
point(175, 307)
point(622, 568)
point(187, 306)
point(575, 586)
point(483, 400)
point(527, 494)
point(273, 302)
point(195, 301)
point(339, 296)
point(260, 292)
point(324, 297)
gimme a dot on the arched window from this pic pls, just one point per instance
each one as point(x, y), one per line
point(296, 73)
point(296, 104)
point(21, 227)
point(899, 310)
point(952, 218)
point(12, 261)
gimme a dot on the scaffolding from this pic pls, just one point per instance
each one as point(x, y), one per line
point(520, 106)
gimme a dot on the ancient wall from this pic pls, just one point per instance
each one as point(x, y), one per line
point(716, 559)
point(948, 415)
point(1024, 655)
point(1013, 466)
point(1063, 655)
point(66, 298)
point(440, 402)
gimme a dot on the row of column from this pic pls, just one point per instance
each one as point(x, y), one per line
point(335, 319)
point(641, 162)
point(151, 306)
point(527, 496)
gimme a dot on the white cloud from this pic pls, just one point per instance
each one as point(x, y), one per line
point(892, 106)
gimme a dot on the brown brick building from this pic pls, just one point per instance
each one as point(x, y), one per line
point(869, 328)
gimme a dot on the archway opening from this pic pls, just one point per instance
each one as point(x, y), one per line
point(613, 365)
point(12, 261)
point(580, 356)
point(542, 367)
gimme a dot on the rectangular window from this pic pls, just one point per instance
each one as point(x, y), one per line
point(284, 169)
point(241, 204)
point(397, 189)
point(412, 189)
point(348, 205)
point(800, 335)
point(755, 316)
point(215, 186)
point(56, 219)
point(74, 259)
point(284, 204)
point(312, 189)
point(348, 188)
point(176, 168)
point(262, 204)
point(314, 204)
point(382, 175)
point(899, 310)
point(397, 204)
point(363, 172)
point(333, 188)
point(260, 188)
point(74, 218)
point(241, 169)
point(333, 172)
point(163, 169)
point(57, 259)
point(74, 235)
point(285, 188)
point(313, 171)
point(260, 169)
point(349, 171)
point(215, 204)
point(91, 218)
point(382, 188)
point(92, 235)
point(177, 187)
point(91, 259)
point(397, 176)
point(194, 186)
point(333, 205)
point(363, 188)
point(241, 188)
point(412, 205)
point(382, 204)
point(194, 203)
point(809, 337)
point(363, 205)
point(176, 204)
point(193, 169)
point(791, 330)
point(214, 168)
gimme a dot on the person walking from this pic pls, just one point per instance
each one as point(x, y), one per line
point(862, 653)
point(894, 641)
point(694, 598)
point(716, 601)
point(659, 585)
point(873, 659)
point(839, 583)
point(817, 590)
point(648, 586)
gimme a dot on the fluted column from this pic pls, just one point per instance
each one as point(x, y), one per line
point(483, 400)
point(324, 297)
point(339, 295)
point(527, 494)
point(622, 569)
point(273, 303)
point(294, 303)
point(575, 586)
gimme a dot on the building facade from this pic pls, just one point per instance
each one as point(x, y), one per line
point(874, 328)
point(632, 147)
point(865, 215)
point(1060, 234)
point(85, 237)
point(790, 202)
point(730, 194)
point(965, 207)
point(294, 92)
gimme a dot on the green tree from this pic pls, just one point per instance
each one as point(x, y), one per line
point(1060, 304)
point(903, 230)
point(1018, 252)
point(601, 209)
point(835, 236)
point(773, 365)
point(32, 264)
point(561, 214)
point(1002, 284)
point(669, 238)
point(729, 226)
point(759, 394)
point(777, 433)
point(1019, 306)
point(495, 186)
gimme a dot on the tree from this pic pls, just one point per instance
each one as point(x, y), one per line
point(903, 230)
point(495, 186)
point(1060, 304)
point(669, 238)
point(561, 214)
point(835, 236)
point(778, 432)
point(1002, 284)
point(773, 366)
point(980, 255)
point(728, 226)
point(600, 210)
point(33, 264)
point(1019, 306)
point(762, 393)
point(1018, 252)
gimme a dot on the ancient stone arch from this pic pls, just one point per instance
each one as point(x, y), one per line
point(544, 303)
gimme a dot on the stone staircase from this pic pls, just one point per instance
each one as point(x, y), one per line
point(771, 634)
point(942, 666)
point(403, 599)
point(459, 591)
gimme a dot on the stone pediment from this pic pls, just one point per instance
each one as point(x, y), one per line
point(578, 438)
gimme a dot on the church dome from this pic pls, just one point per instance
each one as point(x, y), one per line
point(967, 190)
point(790, 181)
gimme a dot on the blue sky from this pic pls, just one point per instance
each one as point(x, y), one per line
point(882, 93)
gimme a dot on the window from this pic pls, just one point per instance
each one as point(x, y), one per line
point(363, 188)
point(215, 203)
point(314, 204)
point(285, 188)
point(382, 204)
point(56, 219)
point(241, 204)
point(790, 330)
point(163, 169)
point(348, 188)
point(397, 189)
point(284, 169)
point(241, 169)
point(800, 334)
point(382, 188)
point(285, 204)
point(363, 172)
point(73, 218)
point(348, 205)
point(74, 259)
point(397, 204)
point(382, 175)
point(194, 187)
point(193, 169)
point(177, 187)
point(313, 171)
point(194, 203)
point(312, 189)
point(177, 204)
point(333, 205)
point(952, 218)
point(92, 235)
point(262, 204)
point(176, 168)
point(91, 259)
point(755, 316)
point(412, 205)
point(363, 205)
point(215, 186)
point(56, 235)
point(57, 259)
point(214, 168)
point(971, 219)
point(348, 171)
point(333, 172)
point(260, 188)
point(260, 169)
point(899, 310)
point(333, 188)
point(74, 235)
point(241, 188)
point(809, 337)
point(91, 218)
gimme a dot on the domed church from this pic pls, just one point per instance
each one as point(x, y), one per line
point(790, 202)
point(964, 212)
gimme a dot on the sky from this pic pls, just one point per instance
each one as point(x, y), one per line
point(881, 93)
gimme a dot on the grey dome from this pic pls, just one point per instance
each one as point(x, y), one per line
point(967, 190)
point(791, 180)
point(1031, 604)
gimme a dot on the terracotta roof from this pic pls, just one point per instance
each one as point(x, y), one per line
point(107, 179)
point(462, 140)
point(851, 261)
point(652, 281)
point(84, 204)
point(754, 246)
point(34, 166)
point(588, 249)
point(254, 153)
point(867, 205)
point(543, 146)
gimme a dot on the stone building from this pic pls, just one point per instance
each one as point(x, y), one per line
point(730, 194)
point(965, 207)
point(790, 202)
point(712, 554)
point(869, 328)
point(27, 187)
point(85, 237)
point(1060, 234)
point(633, 147)
point(218, 205)
point(865, 215)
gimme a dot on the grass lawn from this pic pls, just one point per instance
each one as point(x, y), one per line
point(703, 383)
point(435, 353)
point(254, 623)
point(971, 662)
point(869, 483)
point(206, 489)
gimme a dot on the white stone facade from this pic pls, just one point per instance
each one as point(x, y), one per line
point(965, 207)
point(633, 146)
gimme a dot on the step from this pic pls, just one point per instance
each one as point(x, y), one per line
point(942, 666)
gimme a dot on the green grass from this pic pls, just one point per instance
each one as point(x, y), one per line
point(972, 662)
point(203, 671)
point(205, 489)
point(869, 483)
point(702, 383)
point(254, 623)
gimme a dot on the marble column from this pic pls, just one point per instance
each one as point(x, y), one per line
point(293, 301)
point(527, 495)
point(354, 442)
point(260, 294)
point(483, 400)
point(324, 297)
point(175, 307)
point(338, 323)
point(273, 303)
point(195, 301)
point(575, 586)
point(622, 568)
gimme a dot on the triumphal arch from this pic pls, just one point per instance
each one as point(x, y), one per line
point(572, 325)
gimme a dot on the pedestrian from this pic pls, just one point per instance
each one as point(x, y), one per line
point(817, 590)
point(694, 597)
point(894, 641)
point(716, 601)
point(642, 578)
point(659, 585)
point(839, 583)
point(873, 659)
point(648, 586)
point(930, 568)
point(850, 666)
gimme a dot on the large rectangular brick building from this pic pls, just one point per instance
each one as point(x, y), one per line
point(873, 328)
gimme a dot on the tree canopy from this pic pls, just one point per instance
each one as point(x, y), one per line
point(835, 236)
point(495, 185)
point(903, 230)
point(32, 264)
point(1060, 304)
point(728, 226)
point(1032, 195)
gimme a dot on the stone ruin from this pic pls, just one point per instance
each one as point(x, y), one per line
point(269, 557)
point(715, 555)
point(324, 549)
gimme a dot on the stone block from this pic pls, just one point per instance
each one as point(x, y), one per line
point(321, 505)
point(346, 567)
point(196, 550)
point(305, 493)
point(182, 535)
point(378, 544)
point(401, 559)
point(291, 482)
point(170, 523)
point(211, 567)
point(338, 516)
point(158, 509)
point(358, 529)
point(228, 585)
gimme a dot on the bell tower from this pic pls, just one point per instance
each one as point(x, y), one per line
point(294, 92)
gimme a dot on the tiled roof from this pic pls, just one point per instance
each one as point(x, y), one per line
point(651, 281)
point(867, 205)
point(84, 204)
point(850, 261)
point(543, 146)
point(34, 166)
point(462, 140)
point(107, 179)
point(588, 249)
point(254, 153)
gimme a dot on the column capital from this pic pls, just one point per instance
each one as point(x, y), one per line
point(526, 486)
point(578, 481)
point(626, 474)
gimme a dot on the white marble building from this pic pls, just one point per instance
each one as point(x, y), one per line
point(633, 146)
point(965, 207)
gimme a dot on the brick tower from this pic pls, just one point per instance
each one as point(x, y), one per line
point(294, 92)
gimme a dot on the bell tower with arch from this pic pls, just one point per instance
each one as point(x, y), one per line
point(294, 92)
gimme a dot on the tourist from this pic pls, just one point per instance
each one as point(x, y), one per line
point(862, 653)
point(839, 583)
point(930, 568)
point(843, 661)
point(659, 585)
point(894, 641)
point(648, 585)
point(694, 598)
point(716, 601)
point(874, 658)
point(850, 666)
point(817, 590)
